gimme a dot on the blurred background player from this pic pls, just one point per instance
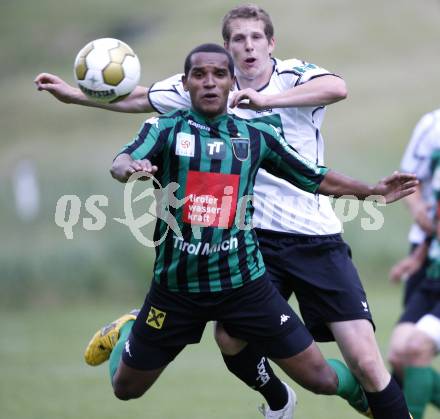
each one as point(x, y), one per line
point(415, 339)
point(299, 228)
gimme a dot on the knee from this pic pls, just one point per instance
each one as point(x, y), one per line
point(227, 344)
point(326, 382)
point(318, 378)
point(416, 353)
point(402, 335)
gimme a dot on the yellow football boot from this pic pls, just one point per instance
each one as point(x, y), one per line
point(104, 340)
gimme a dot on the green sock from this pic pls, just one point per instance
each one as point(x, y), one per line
point(348, 386)
point(435, 395)
point(417, 388)
point(115, 356)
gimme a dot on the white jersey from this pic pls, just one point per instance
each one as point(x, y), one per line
point(425, 139)
point(279, 206)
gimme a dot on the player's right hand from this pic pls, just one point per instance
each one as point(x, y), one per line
point(124, 166)
point(403, 269)
point(248, 99)
point(395, 187)
point(61, 90)
point(141, 166)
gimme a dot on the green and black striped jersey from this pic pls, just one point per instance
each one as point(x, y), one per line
point(204, 217)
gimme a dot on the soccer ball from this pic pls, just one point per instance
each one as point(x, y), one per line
point(107, 70)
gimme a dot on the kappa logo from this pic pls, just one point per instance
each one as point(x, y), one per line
point(365, 306)
point(240, 147)
point(278, 130)
point(199, 126)
point(156, 318)
point(185, 144)
point(153, 121)
point(263, 376)
point(216, 149)
point(127, 348)
point(284, 318)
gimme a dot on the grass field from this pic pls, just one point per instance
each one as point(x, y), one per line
point(55, 292)
point(44, 376)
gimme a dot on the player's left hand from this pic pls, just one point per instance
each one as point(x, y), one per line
point(396, 186)
point(248, 99)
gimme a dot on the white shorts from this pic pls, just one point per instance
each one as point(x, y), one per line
point(430, 325)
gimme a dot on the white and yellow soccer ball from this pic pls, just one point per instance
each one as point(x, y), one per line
point(107, 70)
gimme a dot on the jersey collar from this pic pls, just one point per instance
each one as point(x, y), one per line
point(203, 119)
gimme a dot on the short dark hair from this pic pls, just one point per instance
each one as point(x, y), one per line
point(247, 11)
point(209, 48)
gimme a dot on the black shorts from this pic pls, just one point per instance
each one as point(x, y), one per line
point(319, 270)
point(255, 312)
point(414, 281)
point(422, 301)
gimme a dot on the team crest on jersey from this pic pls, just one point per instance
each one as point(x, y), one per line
point(240, 147)
point(156, 318)
point(185, 144)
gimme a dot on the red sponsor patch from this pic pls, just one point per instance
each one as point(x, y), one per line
point(211, 199)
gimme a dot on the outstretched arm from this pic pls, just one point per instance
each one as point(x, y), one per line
point(391, 188)
point(136, 102)
point(124, 166)
point(283, 161)
point(320, 91)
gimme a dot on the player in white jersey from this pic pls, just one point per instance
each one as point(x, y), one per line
point(299, 238)
point(417, 158)
point(416, 337)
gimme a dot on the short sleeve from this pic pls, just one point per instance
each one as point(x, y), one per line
point(424, 141)
point(148, 141)
point(296, 72)
point(168, 95)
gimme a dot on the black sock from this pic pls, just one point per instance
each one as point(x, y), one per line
point(253, 369)
point(388, 403)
